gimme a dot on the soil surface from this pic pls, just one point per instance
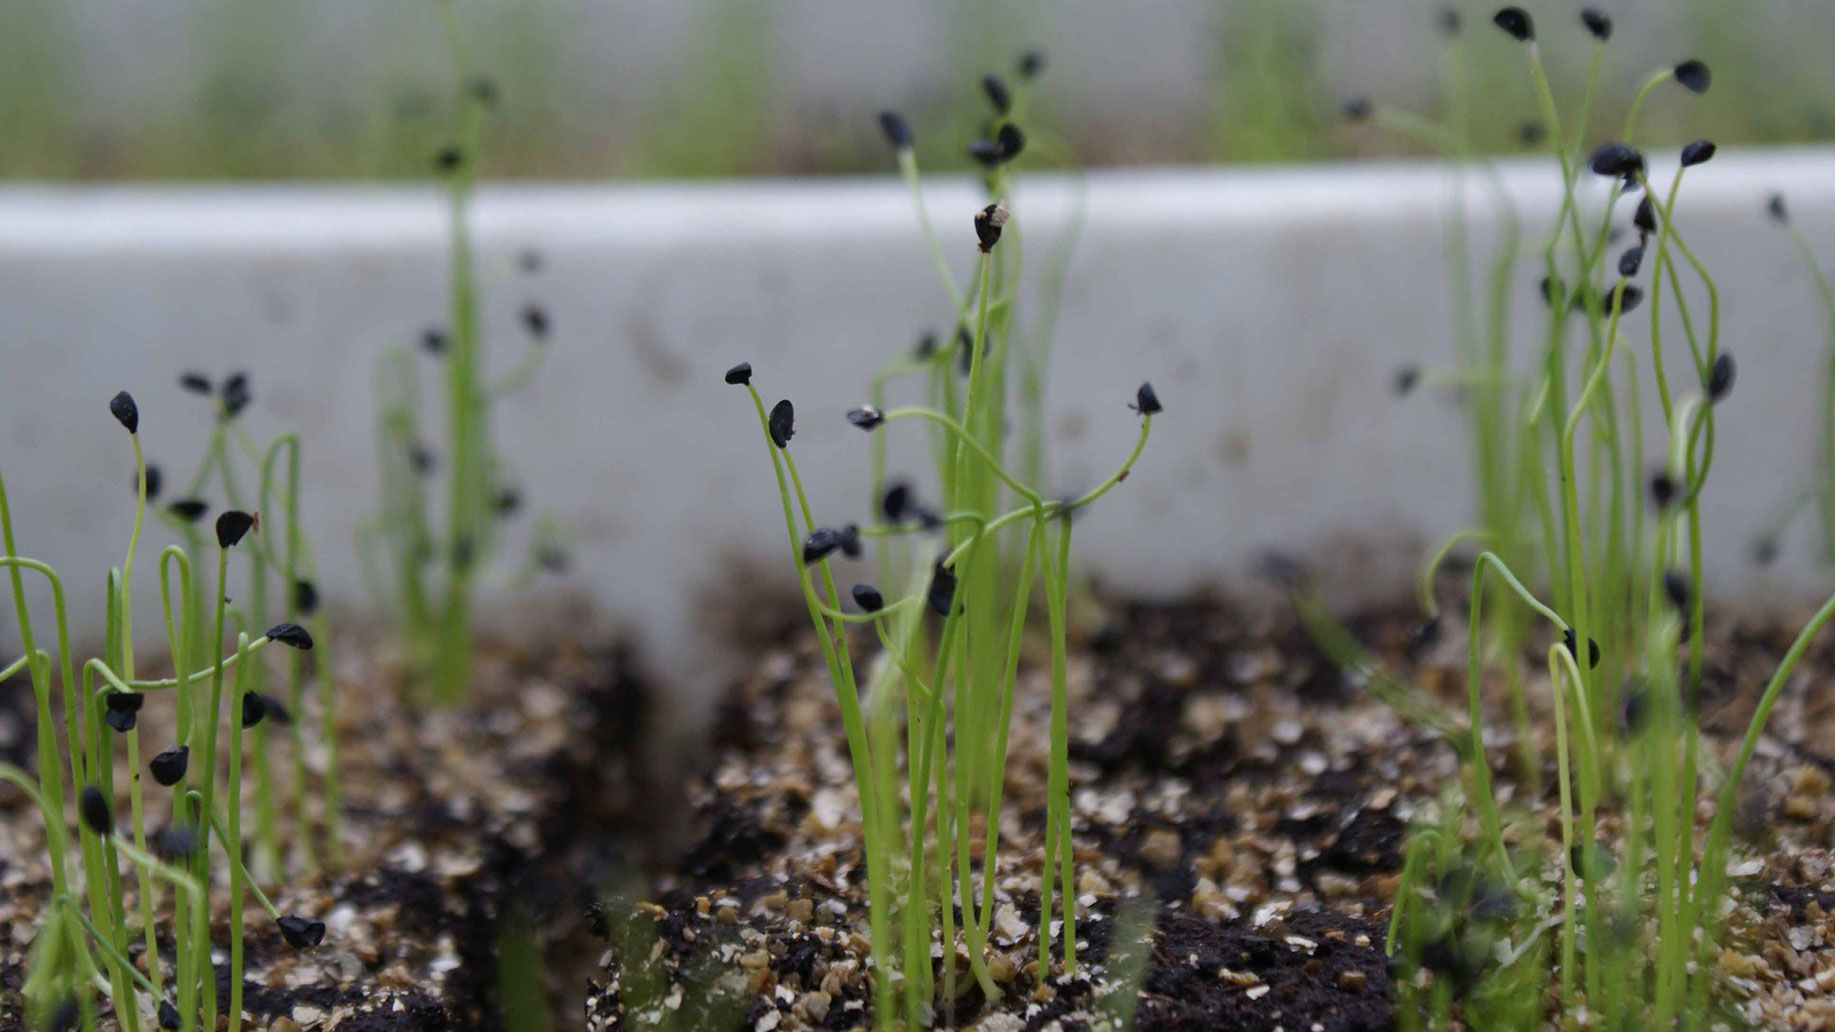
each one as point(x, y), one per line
point(1230, 782)
point(459, 825)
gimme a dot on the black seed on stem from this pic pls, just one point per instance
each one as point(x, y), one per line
point(122, 407)
point(1282, 570)
point(1598, 22)
point(820, 544)
point(1765, 551)
point(169, 767)
point(154, 480)
point(231, 526)
point(305, 597)
point(1645, 218)
point(942, 592)
point(196, 383)
point(1567, 639)
point(1356, 109)
point(1633, 709)
point(868, 598)
point(850, 541)
point(782, 423)
point(1662, 490)
point(1616, 159)
point(291, 635)
point(433, 341)
point(448, 159)
point(301, 933)
point(896, 130)
point(985, 153)
point(926, 347)
point(1720, 378)
point(1774, 206)
point(1697, 153)
point(535, 319)
point(1146, 402)
point(895, 502)
point(988, 222)
point(175, 842)
point(1675, 585)
point(1629, 297)
point(122, 710)
point(236, 395)
point(93, 806)
point(1631, 261)
point(169, 1016)
point(1031, 63)
point(866, 417)
point(275, 710)
point(189, 510)
point(1694, 76)
point(1516, 22)
point(1010, 141)
point(740, 374)
point(998, 94)
point(420, 457)
point(1406, 378)
point(254, 707)
point(63, 1017)
point(1423, 637)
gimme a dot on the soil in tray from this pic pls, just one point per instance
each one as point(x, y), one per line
point(454, 822)
point(1223, 770)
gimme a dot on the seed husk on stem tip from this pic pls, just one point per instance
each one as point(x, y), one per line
point(1774, 206)
point(739, 375)
point(866, 417)
point(168, 768)
point(868, 598)
point(122, 710)
point(189, 510)
point(998, 94)
point(1597, 22)
point(301, 933)
point(782, 423)
point(897, 131)
point(1567, 639)
point(1720, 378)
point(1617, 159)
point(254, 708)
point(942, 592)
point(1516, 22)
point(291, 635)
point(232, 526)
point(1698, 152)
point(988, 222)
point(1031, 63)
point(196, 383)
point(1694, 76)
point(122, 407)
point(93, 806)
point(1146, 402)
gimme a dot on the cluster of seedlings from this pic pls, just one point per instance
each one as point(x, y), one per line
point(223, 707)
point(957, 568)
point(1587, 530)
point(435, 574)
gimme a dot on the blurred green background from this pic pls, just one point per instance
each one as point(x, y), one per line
point(364, 89)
